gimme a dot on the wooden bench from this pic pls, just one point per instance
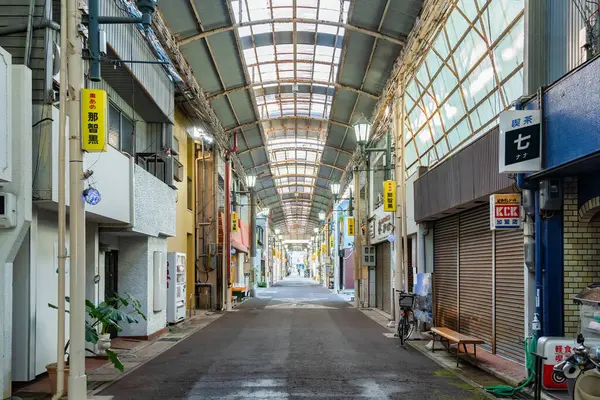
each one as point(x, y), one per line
point(458, 338)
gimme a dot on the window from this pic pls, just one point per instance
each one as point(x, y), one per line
point(190, 194)
point(260, 234)
point(121, 130)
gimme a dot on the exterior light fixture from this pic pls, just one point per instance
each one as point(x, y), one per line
point(335, 189)
point(322, 215)
point(277, 231)
point(280, 237)
point(316, 230)
point(362, 128)
point(250, 181)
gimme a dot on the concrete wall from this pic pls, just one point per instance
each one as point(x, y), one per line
point(154, 205)
point(19, 184)
point(136, 277)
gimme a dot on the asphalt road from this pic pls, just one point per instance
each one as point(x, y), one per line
point(296, 341)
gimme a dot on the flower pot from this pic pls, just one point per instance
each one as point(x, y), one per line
point(53, 377)
point(104, 343)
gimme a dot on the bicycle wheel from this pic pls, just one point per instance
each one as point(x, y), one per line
point(402, 328)
point(408, 325)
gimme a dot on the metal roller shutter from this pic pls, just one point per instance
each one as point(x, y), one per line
point(475, 272)
point(387, 277)
point(379, 275)
point(445, 249)
point(510, 294)
point(409, 265)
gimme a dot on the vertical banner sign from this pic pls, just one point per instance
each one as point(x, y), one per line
point(350, 226)
point(234, 222)
point(520, 141)
point(389, 196)
point(323, 248)
point(505, 211)
point(94, 118)
point(331, 241)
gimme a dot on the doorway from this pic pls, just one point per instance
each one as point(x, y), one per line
point(111, 279)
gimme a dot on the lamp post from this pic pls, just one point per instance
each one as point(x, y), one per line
point(335, 190)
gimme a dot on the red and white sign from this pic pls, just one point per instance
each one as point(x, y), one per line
point(505, 211)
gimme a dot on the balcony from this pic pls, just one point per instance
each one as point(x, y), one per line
point(131, 197)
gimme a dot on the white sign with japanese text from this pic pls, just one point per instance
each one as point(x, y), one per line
point(520, 141)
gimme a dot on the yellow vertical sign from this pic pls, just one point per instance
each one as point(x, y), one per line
point(235, 222)
point(389, 196)
point(323, 248)
point(94, 117)
point(350, 226)
point(331, 243)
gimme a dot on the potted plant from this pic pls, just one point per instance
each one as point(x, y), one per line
point(109, 313)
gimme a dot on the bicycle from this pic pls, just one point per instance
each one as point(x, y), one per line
point(407, 323)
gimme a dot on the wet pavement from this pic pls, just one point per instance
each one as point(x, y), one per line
point(296, 340)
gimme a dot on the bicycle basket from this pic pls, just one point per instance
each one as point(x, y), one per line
point(406, 300)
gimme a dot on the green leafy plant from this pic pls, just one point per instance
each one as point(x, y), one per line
point(109, 313)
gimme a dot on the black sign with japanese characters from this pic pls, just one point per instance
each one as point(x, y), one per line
point(522, 144)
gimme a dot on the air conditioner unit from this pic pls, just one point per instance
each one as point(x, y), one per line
point(8, 210)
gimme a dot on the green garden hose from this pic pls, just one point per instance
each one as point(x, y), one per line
point(530, 345)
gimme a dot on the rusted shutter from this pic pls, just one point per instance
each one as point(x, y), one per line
point(379, 262)
point(475, 274)
point(510, 294)
point(445, 250)
point(387, 277)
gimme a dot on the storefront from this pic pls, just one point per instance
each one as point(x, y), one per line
point(479, 274)
point(381, 229)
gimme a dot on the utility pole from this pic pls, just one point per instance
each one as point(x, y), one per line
point(252, 240)
point(77, 377)
point(357, 239)
point(227, 232)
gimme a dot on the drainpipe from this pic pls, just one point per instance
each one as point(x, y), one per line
point(62, 207)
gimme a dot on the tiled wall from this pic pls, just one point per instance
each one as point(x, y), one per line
point(582, 254)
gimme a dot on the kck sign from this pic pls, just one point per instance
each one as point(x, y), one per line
point(505, 211)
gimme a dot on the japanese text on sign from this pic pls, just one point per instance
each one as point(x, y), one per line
point(234, 222)
point(93, 120)
point(389, 196)
point(350, 226)
point(520, 141)
point(505, 211)
point(562, 352)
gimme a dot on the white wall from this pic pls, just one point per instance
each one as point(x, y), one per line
point(111, 178)
point(136, 258)
point(411, 225)
point(19, 183)
point(154, 202)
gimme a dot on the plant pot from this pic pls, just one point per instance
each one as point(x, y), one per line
point(104, 343)
point(53, 377)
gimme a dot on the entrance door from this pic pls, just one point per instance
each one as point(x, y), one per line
point(111, 279)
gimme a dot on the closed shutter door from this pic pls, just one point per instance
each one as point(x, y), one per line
point(445, 250)
point(387, 277)
point(510, 294)
point(409, 264)
point(475, 266)
point(379, 275)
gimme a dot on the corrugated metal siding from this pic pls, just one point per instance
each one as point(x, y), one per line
point(563, 25)
point(445, 186)
point(475, 250)
point(14, 12)
point(510, 294)
point(445, 270)
point(130, 45)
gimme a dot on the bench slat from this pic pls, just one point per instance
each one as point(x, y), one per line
point(457, 337)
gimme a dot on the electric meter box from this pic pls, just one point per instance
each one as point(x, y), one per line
point(8, 210)
point(551, 195)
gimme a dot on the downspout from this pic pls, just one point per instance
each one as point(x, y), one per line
point(10, 30)
point(29, 32)
point(62, 208)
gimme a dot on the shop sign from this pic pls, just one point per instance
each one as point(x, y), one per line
point(520, 141)
point(331, 241)
point(381, 225)
point(389, 196)
point(93, 120)
point(350, 226)
point(235, 222)
point(505, 211)
point(323, 248)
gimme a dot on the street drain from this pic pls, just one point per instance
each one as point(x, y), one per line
point(168, 339)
